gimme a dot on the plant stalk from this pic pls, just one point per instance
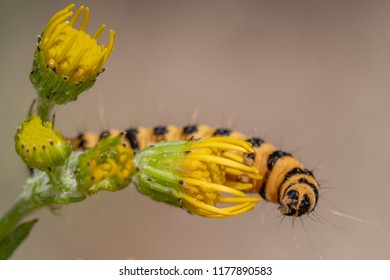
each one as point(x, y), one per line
point(24, 206)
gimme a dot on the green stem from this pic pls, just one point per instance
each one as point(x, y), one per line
point(44, 110)
point(24, 206)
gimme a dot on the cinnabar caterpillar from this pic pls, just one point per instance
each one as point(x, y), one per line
point(285, 180)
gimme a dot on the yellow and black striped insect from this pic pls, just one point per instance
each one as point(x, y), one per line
point(285, 180)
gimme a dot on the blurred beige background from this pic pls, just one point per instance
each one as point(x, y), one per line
point(312, 77)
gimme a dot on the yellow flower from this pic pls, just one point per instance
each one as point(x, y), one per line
point(68, 60)
point(192, 175)
point(72, 52)
point(39, 146)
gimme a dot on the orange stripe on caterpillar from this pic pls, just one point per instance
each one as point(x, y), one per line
point(285, 180)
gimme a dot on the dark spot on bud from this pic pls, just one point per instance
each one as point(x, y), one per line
point(181, 182)
point(51, 142)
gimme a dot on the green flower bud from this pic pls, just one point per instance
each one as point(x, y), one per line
point(39, 146)
point(107, 166)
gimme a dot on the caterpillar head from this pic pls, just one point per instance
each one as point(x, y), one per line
point(299, 199)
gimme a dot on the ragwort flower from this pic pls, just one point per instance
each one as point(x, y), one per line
point(68, 60)
point(192, 175)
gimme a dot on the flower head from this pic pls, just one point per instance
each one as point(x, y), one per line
point(68, 60)
point(192, 174)
point(39, 146)
point(107, 166)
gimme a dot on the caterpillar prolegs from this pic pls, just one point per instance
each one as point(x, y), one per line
point(285, 180)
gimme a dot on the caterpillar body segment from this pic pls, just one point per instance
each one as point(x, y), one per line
point(284, 180)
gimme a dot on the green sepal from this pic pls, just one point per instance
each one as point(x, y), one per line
point(53, 87)
point(159, 176)
point(9, 243)
point(157, 190)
